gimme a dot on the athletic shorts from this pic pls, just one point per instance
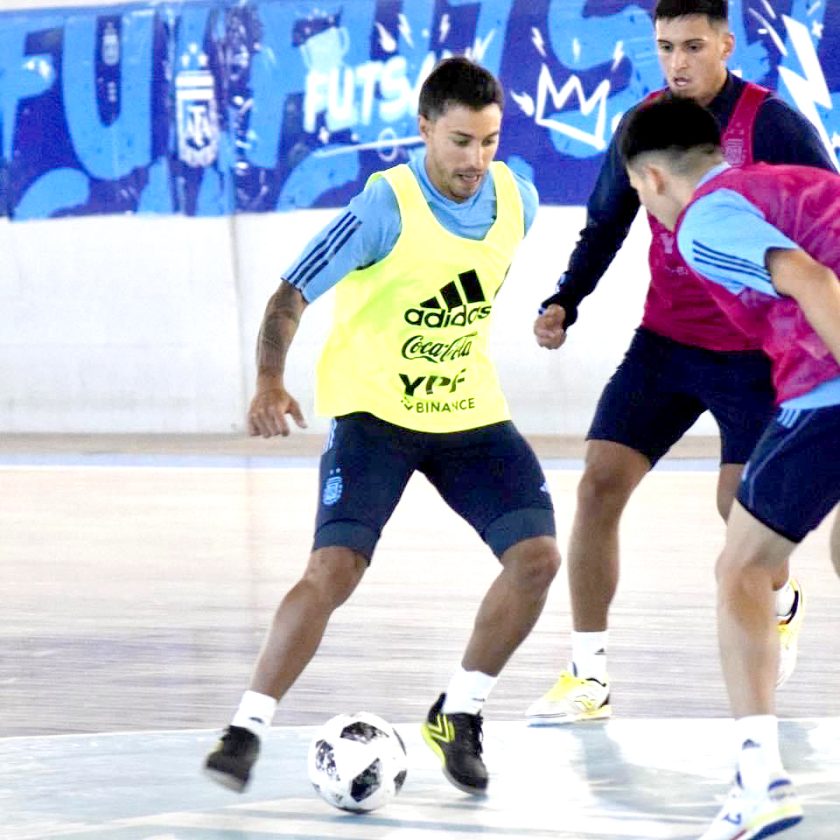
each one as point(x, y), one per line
point(490, 476)
point(661, 387)
point(792, 480)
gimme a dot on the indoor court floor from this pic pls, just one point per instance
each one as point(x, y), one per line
point(138, 577)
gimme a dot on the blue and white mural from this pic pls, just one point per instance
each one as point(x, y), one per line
point(212, 107)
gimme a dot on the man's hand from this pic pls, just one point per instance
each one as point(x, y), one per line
point(267, 414)
point(549, 329)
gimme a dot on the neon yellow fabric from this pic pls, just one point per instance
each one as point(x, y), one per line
point(409, 338)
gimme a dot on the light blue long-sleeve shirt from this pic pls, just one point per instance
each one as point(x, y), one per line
point(368, 228)
point(725, 238)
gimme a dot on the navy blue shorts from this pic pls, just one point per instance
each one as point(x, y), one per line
point(661, 387)
point(792, 481)
point(490, 476)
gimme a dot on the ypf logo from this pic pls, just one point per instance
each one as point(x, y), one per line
point(430, 384)
point(452, 306)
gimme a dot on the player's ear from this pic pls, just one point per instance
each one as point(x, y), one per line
point(657, 177)
point(424, 124)
point(728, 45)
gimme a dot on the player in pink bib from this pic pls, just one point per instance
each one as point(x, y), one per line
point(766, 241)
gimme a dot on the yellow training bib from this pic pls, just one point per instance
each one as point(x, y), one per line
point(409, 338)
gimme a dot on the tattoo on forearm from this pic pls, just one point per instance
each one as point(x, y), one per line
point(280, 322)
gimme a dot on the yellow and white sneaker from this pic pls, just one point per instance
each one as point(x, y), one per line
point(748, 815)
point(570, 700)
point(789, 635)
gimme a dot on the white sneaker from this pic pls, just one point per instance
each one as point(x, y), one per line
point(749, 815)
point(789, 635)
point(570, 700)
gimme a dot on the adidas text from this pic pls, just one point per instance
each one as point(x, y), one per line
point(441, 318)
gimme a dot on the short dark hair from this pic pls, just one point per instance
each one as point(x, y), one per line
point(715, 10)
point(670, 124)
point(459, 81)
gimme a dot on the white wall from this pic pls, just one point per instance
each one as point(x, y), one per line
point(148, 324)
point(119, 323)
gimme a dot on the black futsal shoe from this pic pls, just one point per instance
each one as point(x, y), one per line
point(456, 740)
point(230, 762)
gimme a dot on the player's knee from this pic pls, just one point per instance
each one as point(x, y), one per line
point(726, 573)
point(602, 491)
point(730, 566)
point(742, 575)
point(334, 573)
point(535, 563)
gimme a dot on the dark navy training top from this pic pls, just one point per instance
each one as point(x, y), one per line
point(781, 135)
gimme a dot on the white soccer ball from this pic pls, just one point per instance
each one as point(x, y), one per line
point(357, 762)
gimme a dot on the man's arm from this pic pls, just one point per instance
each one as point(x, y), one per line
point(272, 402)
point(783, 135)
point(550, 326)
point(361, 235)
point(726, 239)
point(610, 211)
point(814, 287)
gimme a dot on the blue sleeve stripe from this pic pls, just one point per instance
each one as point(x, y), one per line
point(704, 255)
point(762, 275)
point(305, 259)
point(303, 273)
point(313, 272)
point(723, 256)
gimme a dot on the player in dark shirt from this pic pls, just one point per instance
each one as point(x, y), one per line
point(781, 135)
point(684, 359)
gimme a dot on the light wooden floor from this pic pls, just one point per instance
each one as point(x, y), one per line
point(138, 576)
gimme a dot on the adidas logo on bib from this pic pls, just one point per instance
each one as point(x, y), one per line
point(453, 306)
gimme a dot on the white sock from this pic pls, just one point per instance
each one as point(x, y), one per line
point(467, 692)
point(589, 654)
point(255, 712)
point(758, 743)
point(784, 600)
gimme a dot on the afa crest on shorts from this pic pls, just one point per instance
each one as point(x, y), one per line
point(333, 488)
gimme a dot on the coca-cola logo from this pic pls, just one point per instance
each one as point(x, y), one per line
point(431, 350)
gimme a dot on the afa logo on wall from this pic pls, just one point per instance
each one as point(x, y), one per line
point(212, 107)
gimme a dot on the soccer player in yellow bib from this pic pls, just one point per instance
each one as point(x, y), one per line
point(416, 260)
